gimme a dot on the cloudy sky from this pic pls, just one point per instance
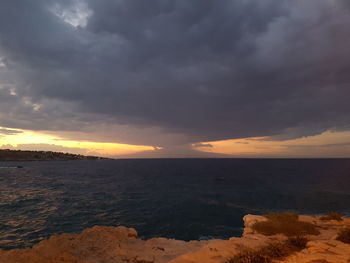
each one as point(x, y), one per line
point(176, 78)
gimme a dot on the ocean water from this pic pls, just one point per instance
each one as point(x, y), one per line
point(176, 198)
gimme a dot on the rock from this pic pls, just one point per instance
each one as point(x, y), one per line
point(250, 220)
point(331, 250)
point(120, 244)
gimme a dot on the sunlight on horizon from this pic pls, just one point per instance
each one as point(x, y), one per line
point(329, 143)
point(31, 140)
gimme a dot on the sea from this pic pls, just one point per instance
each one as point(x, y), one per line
point(187, 199)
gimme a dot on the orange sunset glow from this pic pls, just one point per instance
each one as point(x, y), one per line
point(336, 144)
point(32, 140)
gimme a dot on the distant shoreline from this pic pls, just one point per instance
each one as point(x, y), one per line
point(8, 155)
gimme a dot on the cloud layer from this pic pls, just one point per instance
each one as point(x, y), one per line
point(167, 72)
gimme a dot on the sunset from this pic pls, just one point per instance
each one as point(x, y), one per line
point(180, 131)
point(100, 71)
point(33, 140)
point(327, 144)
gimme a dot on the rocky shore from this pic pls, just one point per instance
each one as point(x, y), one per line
point(302, 239)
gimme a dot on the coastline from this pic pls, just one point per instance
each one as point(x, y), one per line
point(7, 155)
point(120, 244)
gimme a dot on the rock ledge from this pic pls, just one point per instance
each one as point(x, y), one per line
point(101, 244)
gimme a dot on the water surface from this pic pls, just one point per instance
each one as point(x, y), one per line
point(177, 198)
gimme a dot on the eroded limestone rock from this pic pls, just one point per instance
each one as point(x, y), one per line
point(102, 244)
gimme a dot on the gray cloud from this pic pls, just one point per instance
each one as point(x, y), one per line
point(197, 145)
point(178, 151)
point(242, 142)
point(189, 71)
point(8, 132)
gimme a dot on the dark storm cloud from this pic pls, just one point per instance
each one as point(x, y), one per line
point(207, 70)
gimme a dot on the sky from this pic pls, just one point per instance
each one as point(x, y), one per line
point(176, 78)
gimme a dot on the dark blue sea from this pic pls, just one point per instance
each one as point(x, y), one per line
point(175, 198)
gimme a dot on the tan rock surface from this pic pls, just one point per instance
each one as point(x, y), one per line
point(101, 244)
point(332, 251)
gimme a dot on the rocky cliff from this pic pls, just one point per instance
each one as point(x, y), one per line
point(102, 244)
